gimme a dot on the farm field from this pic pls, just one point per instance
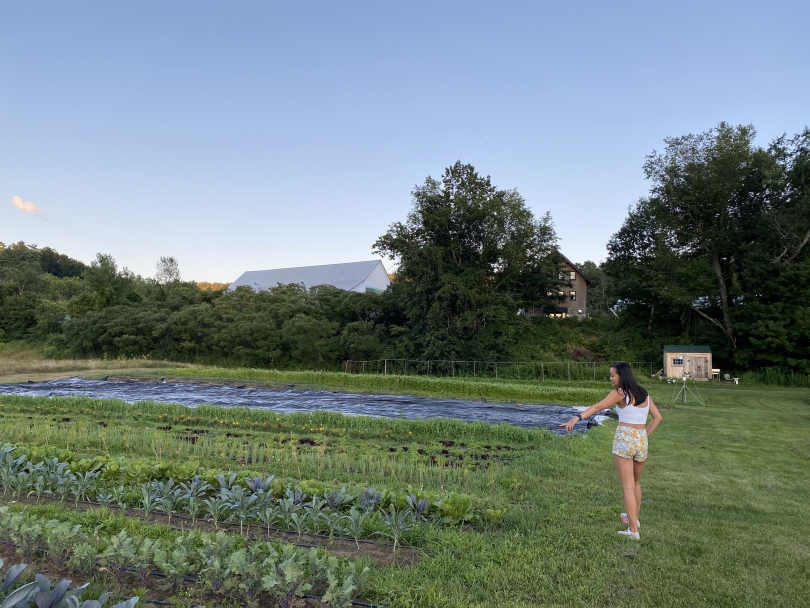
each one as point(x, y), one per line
point(481, 515)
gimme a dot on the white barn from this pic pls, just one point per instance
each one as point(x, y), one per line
point(352, 276)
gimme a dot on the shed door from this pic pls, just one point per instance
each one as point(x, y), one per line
point(698, 367)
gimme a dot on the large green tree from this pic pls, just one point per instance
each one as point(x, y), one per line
point(471, 256)
point(723, 236)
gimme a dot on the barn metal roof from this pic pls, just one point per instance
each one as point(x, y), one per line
point(344, 276)
point(687, 349)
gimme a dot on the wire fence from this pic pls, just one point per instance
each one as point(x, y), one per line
point(502, 370)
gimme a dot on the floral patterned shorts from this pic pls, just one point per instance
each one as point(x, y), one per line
point(630, 443)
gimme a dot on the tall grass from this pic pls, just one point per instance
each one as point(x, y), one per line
point(16, 366)
point(775, 376)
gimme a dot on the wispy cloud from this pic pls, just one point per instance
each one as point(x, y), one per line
point(26, 206)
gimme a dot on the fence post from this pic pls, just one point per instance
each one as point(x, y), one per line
point(569, 371)
point(496, 371)
point(594, 370)
point(385, 367)
point(518, 367)
point(542, 373)
point(473, 369)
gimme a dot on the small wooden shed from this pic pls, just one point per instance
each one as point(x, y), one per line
point(692, 361)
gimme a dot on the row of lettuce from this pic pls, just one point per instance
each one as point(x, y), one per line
point(219, 563)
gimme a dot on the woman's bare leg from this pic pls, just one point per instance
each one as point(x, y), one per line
point(638, 467)
point(624, 466)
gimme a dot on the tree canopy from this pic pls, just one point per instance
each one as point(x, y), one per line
point(470, 257)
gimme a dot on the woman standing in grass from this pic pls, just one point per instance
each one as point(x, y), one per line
point(633, 404)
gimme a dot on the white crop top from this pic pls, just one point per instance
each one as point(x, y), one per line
point(632, 414)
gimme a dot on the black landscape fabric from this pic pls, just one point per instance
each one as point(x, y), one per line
point(290, 400)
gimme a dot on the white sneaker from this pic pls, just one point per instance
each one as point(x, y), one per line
point(626, 520)
point(633, 535)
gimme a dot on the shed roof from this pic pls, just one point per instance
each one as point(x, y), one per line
point(343, 276)
point(680, 348)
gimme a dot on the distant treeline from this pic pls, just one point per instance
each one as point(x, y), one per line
point(716, 254)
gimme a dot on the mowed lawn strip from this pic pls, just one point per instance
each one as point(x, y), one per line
point(724, 522)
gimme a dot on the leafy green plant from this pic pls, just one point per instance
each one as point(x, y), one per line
point(170, 502)
point(341, 592)
point(287, 580)
point(13, 573)
point(84, 558)
point(119, 496)
point(241, 504)
point(249, 565)
point(396, 524)
point(65, 484)
point(60, 537)
point(21, 483)
point(354, 524)
point(337, 499)
point(268, 516)
point(320, 566)
point(418, 506)
point(105, 499)
point(298, 523)
point(150, 500)
point(39, 487)
point(84, 483)
point(216, 509)
point(175, 563)
point(27, 536)
point(143, 558)
point(370, 499)
point(456, 508)
point(215, 555)
point(119, 556)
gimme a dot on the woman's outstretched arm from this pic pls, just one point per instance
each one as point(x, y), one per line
point(612, 399)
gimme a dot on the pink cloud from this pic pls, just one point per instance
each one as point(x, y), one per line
point(26, 206)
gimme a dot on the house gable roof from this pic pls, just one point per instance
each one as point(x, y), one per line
point(343, 276)
point(574, 266)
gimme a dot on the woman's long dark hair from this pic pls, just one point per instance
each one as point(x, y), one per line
point(628, 384)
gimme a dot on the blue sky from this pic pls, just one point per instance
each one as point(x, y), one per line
point(249, 135)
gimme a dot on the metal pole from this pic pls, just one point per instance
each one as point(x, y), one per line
point(518, 366)
point(385, 364)
point(496, 371)
point(542, 373)
point(569, 371)
point(473, 369)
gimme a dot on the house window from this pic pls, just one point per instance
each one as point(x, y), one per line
point(561, 294)
point(677, 361)
point(549, 294)
point(561, 276)
point(572, 276)
point(572, 295)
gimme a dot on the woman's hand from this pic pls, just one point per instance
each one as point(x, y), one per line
point(569, 426)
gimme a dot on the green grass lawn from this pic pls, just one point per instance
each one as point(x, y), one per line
point(725, 519)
